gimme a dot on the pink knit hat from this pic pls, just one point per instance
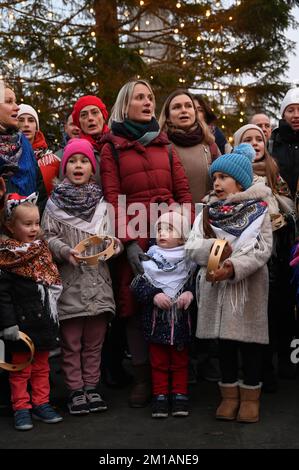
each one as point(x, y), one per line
point(78, 146)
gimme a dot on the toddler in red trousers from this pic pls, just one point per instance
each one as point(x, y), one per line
point(29, 289)
point(165, 290)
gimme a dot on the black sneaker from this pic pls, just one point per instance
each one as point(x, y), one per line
point(95, 401)
point(160, 406)
point(180, 405)
point(77, 404)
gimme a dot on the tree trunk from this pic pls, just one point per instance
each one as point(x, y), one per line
point(106, 27)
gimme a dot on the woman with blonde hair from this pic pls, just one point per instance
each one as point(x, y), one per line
point(19, 171)
point(135, 163)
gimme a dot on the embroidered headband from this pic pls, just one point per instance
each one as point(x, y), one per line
point(14, 200)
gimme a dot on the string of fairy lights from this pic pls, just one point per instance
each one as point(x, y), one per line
point(149, 34)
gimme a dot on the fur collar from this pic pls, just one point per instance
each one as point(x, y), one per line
point(256, 191)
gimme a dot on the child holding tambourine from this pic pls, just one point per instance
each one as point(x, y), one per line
point(233, 302)
point(74, 212)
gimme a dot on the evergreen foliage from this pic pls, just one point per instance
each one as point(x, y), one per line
point(234, 52)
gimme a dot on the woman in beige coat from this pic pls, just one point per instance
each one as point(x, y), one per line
point(191, 139)
point(233, 307)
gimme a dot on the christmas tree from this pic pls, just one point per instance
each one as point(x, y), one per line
point(233, 52)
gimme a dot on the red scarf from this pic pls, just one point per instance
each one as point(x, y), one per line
point(39, 141)
point(95, 142)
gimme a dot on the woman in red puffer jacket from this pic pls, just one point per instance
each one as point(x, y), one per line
point(138, 162)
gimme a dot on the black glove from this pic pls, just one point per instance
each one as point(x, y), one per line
point(11, 333)
point(135, 255)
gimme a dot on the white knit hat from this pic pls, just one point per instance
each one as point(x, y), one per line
point(176, 220)
point(27, 109)
point(292, 97)
point(241, 131)
point(2, 91)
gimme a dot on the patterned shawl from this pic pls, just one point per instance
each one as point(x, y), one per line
point(17, 159)
point(168, 269)
point(31, 260)
point(80, 201)
point(235, 217)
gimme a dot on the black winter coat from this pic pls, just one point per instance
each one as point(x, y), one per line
point(171, 327)
point(21, 304)
point(284, 147)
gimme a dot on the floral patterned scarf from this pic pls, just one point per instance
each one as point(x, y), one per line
point(235, 217)
point(79, 201)
point(17, 159)
point(31, 260)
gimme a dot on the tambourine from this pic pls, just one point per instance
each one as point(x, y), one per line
point(95, 241)
point(17, 367)
point(214, 258)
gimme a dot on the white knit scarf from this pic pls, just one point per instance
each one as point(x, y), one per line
point(168, 269)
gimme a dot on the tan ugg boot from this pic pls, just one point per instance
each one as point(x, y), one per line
point(249, 403)
point(141, 391)
point(229, 405)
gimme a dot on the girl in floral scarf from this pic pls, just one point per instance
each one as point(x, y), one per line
point(233, 307)
point(29, 289)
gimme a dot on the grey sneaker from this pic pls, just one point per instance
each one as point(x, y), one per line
point(77, 404)
point(95, 401)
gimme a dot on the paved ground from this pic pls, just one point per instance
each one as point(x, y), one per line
point(124, 428)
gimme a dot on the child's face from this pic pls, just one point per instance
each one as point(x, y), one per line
point(78, 169)
point(255, 138)
point(224, 185)
point(168, 237)
point(28, 127)
point(25, 224)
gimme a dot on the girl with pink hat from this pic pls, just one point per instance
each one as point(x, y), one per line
point(76, 211)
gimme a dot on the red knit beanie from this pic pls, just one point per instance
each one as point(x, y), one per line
point(88, 100)
point(78, 146)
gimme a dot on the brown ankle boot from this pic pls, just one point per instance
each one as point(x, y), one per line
point(141, 392)
point(250, 403)
point(229, 405)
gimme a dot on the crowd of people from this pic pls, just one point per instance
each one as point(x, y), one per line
point(167, 191)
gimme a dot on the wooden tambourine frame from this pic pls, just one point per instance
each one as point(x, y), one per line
point(95, 240)
point(214, 258)
point(18, 367)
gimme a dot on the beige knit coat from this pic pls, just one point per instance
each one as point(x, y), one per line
point(235, 309)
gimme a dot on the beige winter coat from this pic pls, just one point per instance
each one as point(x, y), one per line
point(87, 290)
point(196, 161)
point(234, 309)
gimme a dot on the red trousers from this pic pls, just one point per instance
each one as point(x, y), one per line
point(165, 360)
point(37, 373)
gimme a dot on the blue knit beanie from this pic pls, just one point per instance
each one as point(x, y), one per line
point(237, 164)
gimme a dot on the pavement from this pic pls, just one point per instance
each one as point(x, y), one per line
point(122, 427)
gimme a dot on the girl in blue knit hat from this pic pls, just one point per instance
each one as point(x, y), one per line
point(232, 305)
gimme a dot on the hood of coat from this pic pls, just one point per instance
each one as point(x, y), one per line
point(121, 143)
point(256, 191)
